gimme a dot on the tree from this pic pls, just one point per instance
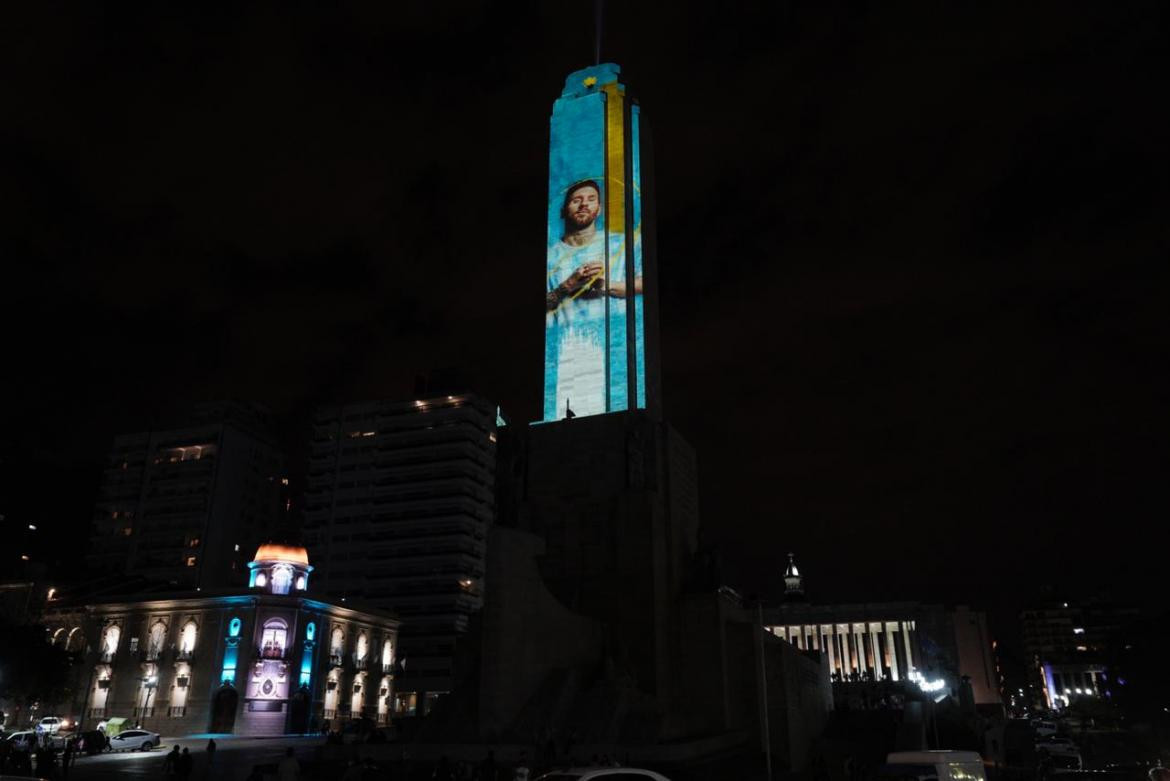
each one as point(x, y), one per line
point(31, 670)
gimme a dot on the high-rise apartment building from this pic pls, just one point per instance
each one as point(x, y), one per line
point(188, 505)
point(399, 500)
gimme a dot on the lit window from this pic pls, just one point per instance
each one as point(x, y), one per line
point(1078, 630)
point(301, 583)
point(24, 557)
point(261, 579)
point(194, 542)
point(32, 527)
point(133, 644)
point(114, 515)
point(272, 641)
point(128, 531)
point(190, 561)
point(237, 547)
point(187, 638)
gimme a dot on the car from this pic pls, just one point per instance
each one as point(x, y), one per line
point(25, 740)
point(1044, 727)
point(135, 739)
point(1062, 752)
point(603, 774)
point(939, 765)
point(51, 725)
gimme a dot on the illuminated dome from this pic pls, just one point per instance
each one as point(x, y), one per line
point(280, 569)
point(292, 554)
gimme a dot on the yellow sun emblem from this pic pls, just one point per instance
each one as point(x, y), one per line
point(590, 81)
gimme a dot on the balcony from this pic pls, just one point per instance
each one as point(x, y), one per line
point(274, 652)
point(335, 660)
point(184, 655)
point(361, 663)
point(107, 656)
point(177, 711)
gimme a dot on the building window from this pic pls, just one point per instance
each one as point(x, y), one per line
point(282, 576)
point(190, 561)
point(187, 637)
point(274, 639)
point(133, 645)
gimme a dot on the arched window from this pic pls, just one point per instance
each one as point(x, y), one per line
point(336, 641)
point(187, 637)
point(76, 640)
point(57, 636)
point(158, 635)
point(301, 583)
point(110, 640)
point(363, 647)
point(282, 575)
point(387, 653)
point(274, 639)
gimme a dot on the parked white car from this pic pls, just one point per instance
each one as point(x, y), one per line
point(603, 774)
point(1060, 749)
point(941, 765)
point(134, 739)
point(51, 725)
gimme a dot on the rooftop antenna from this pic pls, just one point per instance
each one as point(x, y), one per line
point(597, 6)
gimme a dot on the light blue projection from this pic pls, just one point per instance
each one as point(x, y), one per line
point(594, 257)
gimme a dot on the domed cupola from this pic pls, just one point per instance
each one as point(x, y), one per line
point(793, 581)
point(280, 569)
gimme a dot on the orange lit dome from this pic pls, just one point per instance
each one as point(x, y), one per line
point(271, 551)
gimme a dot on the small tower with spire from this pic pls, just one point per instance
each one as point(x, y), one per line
point(793, 581)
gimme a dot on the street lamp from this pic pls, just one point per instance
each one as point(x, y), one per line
point(150, 682)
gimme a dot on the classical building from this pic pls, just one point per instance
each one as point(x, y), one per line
point(930, 646)
point(397, 511)
point(187, 505)
point(265, 660)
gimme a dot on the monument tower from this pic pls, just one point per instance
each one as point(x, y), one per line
point(600, 302)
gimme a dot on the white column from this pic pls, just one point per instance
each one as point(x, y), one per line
point(910, 667)
point(843, 639)
point(892, 649)
point(859, 641)
point(877, 650)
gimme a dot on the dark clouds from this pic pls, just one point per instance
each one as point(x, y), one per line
point(913, 257)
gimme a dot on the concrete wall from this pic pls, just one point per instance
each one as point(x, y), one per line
point(528, 634)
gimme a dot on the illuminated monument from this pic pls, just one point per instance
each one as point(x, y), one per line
point(599, 355)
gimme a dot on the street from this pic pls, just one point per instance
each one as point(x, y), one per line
point(234, 758)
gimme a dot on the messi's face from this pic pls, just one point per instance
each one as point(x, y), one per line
point(583, 207)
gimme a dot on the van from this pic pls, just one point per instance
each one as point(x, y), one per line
point(933, 766)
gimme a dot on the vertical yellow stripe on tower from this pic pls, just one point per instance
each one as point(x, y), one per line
point(615, 142)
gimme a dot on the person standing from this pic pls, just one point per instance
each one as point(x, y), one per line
point(171, 764)
point(185, 764)
point(210, 752)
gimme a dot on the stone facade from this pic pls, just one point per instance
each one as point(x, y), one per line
point(256, 663)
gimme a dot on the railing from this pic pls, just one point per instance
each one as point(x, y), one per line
point(272, 652)
point(97, 713)
point(144, 712)
point(361, 663)
point(152, 654)
point(334, 660)
point(175, 711)
point(107, 656)
point(184, 655)
point(388, 669)
point(329, 714)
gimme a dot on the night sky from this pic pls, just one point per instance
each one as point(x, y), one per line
point(913, 256)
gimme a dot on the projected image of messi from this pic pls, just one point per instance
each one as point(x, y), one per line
point(577, 301)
